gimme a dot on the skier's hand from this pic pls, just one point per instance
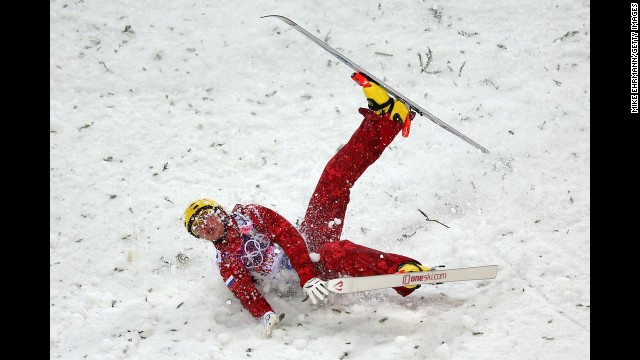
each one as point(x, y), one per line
point(315, 289)
point(269, 321)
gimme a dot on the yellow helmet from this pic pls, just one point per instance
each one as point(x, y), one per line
point(192, 211)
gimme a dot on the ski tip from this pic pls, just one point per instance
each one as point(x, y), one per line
point(287, 20)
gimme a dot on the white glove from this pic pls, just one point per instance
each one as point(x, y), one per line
point(315, 288)
point(269, 321)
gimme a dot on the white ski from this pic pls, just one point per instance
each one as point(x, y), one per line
point(364, 283)
point(415, 107)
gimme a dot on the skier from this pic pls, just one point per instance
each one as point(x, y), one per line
point(254, 242)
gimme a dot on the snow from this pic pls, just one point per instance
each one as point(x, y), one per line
point(156, 104)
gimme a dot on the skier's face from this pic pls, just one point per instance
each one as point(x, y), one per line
point(210, 224)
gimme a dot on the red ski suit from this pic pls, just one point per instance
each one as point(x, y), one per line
point(320, 228)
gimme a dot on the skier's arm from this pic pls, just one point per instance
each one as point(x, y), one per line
point(238, 278)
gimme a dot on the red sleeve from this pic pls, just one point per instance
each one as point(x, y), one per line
point(237, 277)
point(279, 230)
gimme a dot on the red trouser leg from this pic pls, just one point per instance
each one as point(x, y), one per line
point(323, 221)
point(325, 214)
point(344, 258)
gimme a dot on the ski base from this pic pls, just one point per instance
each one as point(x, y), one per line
point(412, 105)
point(364, 283)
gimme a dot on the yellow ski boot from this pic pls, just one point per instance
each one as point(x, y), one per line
point(379, 101)
point(382, 104)
point(411, 266)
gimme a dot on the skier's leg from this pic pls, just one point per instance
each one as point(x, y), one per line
point(344, 258)
point(323, 220)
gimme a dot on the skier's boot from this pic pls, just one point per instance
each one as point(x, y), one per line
point(411, 266)
point(379, 101)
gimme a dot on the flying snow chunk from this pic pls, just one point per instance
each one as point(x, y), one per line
point(401, 340)
point(468, 322)
point(315, 257)
point(300, 344)
point(442, 351)
point(334, 222)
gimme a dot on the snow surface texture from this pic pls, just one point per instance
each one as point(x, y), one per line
point(154, 104)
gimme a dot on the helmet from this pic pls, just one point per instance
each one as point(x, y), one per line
point(192, 211)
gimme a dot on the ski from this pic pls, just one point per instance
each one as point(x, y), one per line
point(364, 283)
point(412, 105)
